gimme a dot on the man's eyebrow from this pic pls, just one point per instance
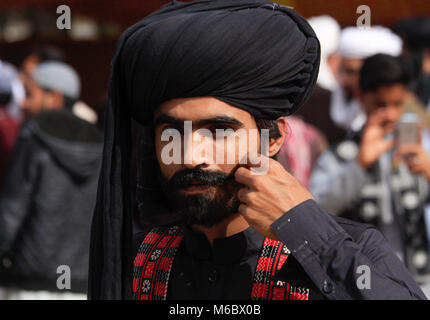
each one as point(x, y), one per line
point(220, 119)
point(166, 119)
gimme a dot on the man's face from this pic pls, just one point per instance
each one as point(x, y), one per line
point(203, 189)
point(349, 75)
point(388, 100)
point(36, 99)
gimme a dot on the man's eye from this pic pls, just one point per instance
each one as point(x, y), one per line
point(220, 127)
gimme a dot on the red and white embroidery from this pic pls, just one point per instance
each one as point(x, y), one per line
point(154, 260)
point(153, 263)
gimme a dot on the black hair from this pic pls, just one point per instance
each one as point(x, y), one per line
point(382, 70)
point(271, 125)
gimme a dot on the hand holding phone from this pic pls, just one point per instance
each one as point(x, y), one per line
point(409, 148)
point(407, 131)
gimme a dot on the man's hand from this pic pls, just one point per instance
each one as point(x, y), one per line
point(373, 145)
point(416, 158)
point(265, 198)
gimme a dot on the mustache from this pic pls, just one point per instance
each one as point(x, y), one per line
point(187, 177)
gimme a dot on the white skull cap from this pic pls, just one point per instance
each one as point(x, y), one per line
point(361, 43)
point(58, 76)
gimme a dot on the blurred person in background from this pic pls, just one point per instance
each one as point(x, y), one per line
point(336, 96)
point(40, 54)
point(309, 130)
point(316, 111)
point(328, 33)
point(366, 179)
point(42, 94)
point(28, 66)
point(356, 44)
point(32, 58)
point(11, 92)
point(49, 191)
point(416, 37)
point(301, 148)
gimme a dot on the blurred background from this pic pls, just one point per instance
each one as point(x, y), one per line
point(97, 24)
point(53, 89)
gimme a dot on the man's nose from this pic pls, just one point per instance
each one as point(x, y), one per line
point(198, 148)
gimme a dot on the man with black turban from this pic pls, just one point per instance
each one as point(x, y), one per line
point(240, 227)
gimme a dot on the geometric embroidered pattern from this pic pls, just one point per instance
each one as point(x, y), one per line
point(154, 260)
point(153, 263)
point(272, 257)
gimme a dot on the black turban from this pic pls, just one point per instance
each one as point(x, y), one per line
point(253, 54)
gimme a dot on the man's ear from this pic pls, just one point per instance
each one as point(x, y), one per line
point(275, 144)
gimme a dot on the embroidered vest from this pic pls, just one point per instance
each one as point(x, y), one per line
point(154, 260)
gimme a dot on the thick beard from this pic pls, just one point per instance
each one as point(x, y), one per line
point(202, 209)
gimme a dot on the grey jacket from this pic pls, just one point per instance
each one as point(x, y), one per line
point(392, 199)
point(47, 200)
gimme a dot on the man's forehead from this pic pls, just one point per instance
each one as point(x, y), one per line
point(199, 108)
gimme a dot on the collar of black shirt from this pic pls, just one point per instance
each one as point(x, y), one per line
point(228, 250)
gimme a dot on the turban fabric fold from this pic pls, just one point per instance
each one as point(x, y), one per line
point(252, 54)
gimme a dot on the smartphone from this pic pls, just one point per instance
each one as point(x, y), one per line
point(407, 130)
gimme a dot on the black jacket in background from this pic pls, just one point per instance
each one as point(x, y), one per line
point(47, 201)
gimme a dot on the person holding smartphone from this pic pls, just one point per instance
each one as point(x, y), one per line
point(380, 175)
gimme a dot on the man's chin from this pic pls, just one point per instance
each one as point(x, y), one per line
point(200, 209)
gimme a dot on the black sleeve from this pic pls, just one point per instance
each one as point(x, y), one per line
point(18, 187)
point(337, 264)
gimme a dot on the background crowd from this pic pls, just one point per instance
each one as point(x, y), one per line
point(361, 143)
